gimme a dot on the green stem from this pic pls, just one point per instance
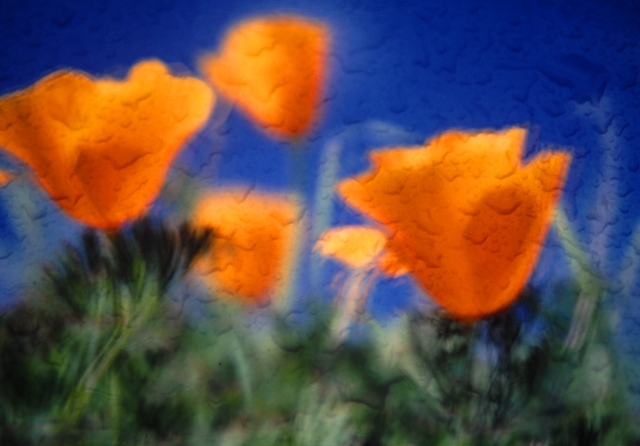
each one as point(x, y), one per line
point(84, 389)
point(577, 256)
point(323, 204)
point(351, 303)
point(242, 368)
point(298, 177)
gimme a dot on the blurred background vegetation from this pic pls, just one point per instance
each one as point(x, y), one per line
point(104, 351)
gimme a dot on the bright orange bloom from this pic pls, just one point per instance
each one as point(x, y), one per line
point(468, 219)
point(274, 69)
point(254, 242)
point(101, 147)
point(359, 247)
point(355, 246)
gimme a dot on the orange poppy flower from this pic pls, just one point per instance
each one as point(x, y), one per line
point(355, 246)
point(273, 68)
point(254, 242)
point(468, 219)
point(101, 147)
point(359, 247)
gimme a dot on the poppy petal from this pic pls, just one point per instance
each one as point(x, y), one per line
point(355, 246)
point(254, 242)
point(102, 148)
point(40, 125)
point(137, 133)
point(467, 218)
point(273, 68)
point(360, 246)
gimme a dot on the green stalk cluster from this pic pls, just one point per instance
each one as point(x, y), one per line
point(114, 347)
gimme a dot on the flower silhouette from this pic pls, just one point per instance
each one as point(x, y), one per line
point(467, 218)
point(273, 68)
point(100, 147)
point(254, 242)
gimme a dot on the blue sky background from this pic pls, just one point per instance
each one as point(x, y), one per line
point(400, 72)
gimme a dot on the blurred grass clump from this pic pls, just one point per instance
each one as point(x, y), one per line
point(106, 351)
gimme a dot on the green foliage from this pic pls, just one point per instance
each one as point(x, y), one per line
point(81, 350)
point(106, 352)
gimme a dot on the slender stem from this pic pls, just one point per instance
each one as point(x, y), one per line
point(84, 389)
point(323, 204)
point(577, 256)
point(351, 303)
point(299, 176)
point(242, 368)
